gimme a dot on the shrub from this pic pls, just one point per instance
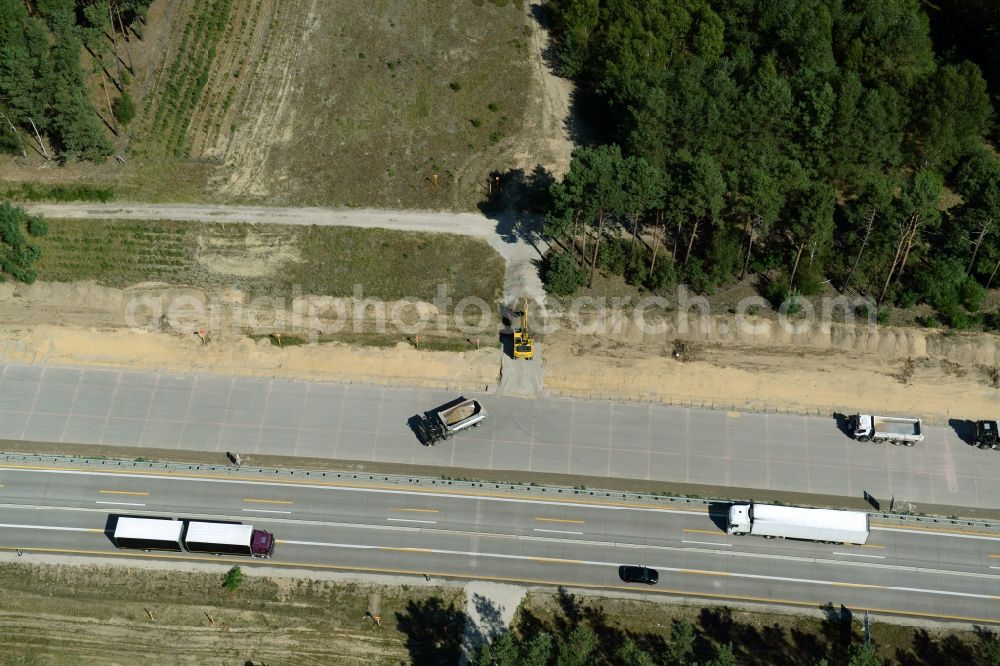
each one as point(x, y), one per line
point(233, 578)
point(794, 300)
point(561, 275)
point(37, 226)
point(124, 108)
point(697, 278)
point(775, 290)
point(972, 294)
point(635, 269)
point(612, 256)
point(908, 299)
point(809, 281)
point(455, 86)
point(664, 275)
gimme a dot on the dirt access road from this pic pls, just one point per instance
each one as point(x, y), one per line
point(513, 237)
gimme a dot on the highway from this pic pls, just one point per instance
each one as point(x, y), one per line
point(927, 573)
point(581, 438)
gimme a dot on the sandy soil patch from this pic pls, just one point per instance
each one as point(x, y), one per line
point(744, 378)
point(142, 350)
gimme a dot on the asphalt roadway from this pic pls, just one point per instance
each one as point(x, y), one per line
point(354, 422)
point(925, 573)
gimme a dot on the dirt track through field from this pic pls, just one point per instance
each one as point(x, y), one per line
point(521, 279)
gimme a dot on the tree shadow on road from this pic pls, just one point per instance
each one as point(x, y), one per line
point(517, 202)
point(490, 616)
point(433, 631)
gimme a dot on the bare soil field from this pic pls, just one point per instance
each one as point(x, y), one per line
point(760, 637)
point(60, 614)
point(392, 104)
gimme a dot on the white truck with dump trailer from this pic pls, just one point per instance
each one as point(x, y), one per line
point(449, 419)
point(879, 429)
point(793, 522)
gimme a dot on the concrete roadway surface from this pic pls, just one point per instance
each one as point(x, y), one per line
point(591, 438)
point(924, 573)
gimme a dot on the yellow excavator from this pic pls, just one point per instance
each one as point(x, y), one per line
point(524, 343)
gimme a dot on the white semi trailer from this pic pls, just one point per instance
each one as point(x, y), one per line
point(878, 429)
point(793, 522)
point(148, 533)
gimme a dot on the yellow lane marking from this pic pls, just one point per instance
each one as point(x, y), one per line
point(871, 545)
point(96, 531)
point(363, 486)
point(935, 529)
point(861, 585)
point(715, 532)
point(560, 520)
point(417, 510)
point(267, 501)
point(701, 572)
point(733, 415)
point(555, 560)
point(507, 579)
point(997, 555)
point(123, 492)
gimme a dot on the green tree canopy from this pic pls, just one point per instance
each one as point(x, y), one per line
point(17, 253)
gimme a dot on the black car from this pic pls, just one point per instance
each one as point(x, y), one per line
point(633, 574)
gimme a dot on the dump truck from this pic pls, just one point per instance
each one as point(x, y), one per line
point(879, 429)
point(985, 435)
point(792, 522)
point(449, 419)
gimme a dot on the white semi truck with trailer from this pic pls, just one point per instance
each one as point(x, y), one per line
point(793, 522)
point(879, 429)
point(198, 537)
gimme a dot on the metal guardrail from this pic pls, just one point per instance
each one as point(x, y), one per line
point(516, 489)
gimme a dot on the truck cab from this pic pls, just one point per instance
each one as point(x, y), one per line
point(863, 427)
point(739, 519)
point(262, 544)
point(985, 435)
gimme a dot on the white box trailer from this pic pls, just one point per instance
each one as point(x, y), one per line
point(879, 429)
point(793, 522)
point(148, 533)
point(228, 539)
